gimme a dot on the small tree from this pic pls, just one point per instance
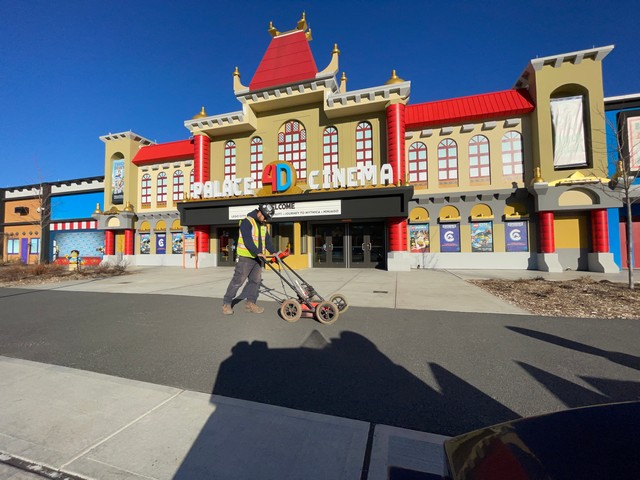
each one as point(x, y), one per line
point(625, 152)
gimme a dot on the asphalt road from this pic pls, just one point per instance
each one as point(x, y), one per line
point(440, 372)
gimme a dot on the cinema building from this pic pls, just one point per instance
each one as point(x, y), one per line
point(363, 178)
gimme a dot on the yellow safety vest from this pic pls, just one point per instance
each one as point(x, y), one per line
point(256, 230)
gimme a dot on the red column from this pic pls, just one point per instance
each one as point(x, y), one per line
point(395, 141)
point(202, 158)
point(109, 242)
point(397, 234)
point(599, 231)
point(202, 238)
point(547, 236)
point(128, 241)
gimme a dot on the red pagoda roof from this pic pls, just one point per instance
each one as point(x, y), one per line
point(476, 107)
point(165, 152)
point(287, 60)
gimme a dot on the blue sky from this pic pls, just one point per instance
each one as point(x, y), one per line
point(73, 70)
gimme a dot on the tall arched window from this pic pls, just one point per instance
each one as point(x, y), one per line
point(292, 147)
point(418, 163)
point(178, 185)
point(512, 154)
point(256, 160)
point(330, 148)
point(192, 180)
point(230, 159)
point(364, 144)
point(447, 160)
point(145, 190)
point(161, 190)
point(479, 158)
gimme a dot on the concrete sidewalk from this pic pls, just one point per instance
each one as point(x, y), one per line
point(88, 425)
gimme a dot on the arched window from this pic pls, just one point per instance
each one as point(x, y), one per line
point(364, 144)
point(145, 190)
point(230, 159)
point(479, 158)
point(418, 163)
point(178, 185)
point(330, 148)
point(447, 160)
point(292, 147)
point(512, 154)
point(256, 160)
point(192, 180)
point(161, 191)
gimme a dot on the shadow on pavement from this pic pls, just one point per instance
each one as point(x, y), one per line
point(620, 358)
point(345, 377)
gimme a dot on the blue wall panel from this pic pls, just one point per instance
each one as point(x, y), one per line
point(79, 205)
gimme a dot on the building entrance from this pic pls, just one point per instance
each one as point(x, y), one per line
point(227, 241)
point(349, 245)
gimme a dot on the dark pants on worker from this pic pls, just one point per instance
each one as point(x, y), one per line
point(246, 268)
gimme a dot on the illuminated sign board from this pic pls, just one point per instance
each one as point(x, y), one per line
point(292, 209)
point(281, 176)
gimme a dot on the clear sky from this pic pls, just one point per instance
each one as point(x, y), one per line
point(73, 70)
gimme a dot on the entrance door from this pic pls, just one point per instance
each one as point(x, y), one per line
point(227, 246)
point(24, 250)
point(367, 245)
point(329, 248)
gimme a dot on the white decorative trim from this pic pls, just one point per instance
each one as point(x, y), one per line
point(467, 128)
point(427, 132)
point(597, 54)
point(446, 130)
point(384, 91)
point(512, 122)
point(128, 135)
point(489, 125)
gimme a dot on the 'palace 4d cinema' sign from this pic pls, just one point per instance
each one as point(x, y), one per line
point(281, 178)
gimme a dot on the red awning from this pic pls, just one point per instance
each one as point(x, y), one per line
point(507, 103)
point(164, 152)
point(287, 60)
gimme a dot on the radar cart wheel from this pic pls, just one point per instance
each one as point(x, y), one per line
point(327, 312)
point(290, 310)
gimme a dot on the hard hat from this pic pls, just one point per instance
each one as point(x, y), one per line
point(267, 210)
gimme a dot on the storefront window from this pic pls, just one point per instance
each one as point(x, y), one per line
point(450, 237)
point(13, 246)
point(35, 246)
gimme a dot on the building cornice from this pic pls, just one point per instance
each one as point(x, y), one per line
point(126, 135)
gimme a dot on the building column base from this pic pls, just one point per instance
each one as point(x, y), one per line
point(398, 261)
point(548, 262)
point(603, 263)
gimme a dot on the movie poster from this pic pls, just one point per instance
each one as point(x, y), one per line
point(145, 243)
point(176, 243)
point(419, 238)
point(161, 243)
point(516, 237)
point(450, 237)
point(481, 237)
point(117, 183)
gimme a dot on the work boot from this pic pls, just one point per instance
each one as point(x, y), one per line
point(227, 309)
point(253, 308)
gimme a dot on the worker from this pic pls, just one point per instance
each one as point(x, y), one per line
point(254, 243)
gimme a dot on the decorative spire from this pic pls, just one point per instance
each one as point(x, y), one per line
point(302, 23)
point(202, 114)
point(237, 85)
point(538, 176)
point(343, 83)
point(273, 30)
point(97, 210)
point(394, 79)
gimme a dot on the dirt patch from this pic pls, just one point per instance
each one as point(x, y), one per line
point(585, 297)
point(24, 275)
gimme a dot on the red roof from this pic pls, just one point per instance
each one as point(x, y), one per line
point(164, 152)
point(287, 60)
point(476, 107)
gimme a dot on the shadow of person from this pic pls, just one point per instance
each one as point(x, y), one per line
point(345, 377)
point(620, 358)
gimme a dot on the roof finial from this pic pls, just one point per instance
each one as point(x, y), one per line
point(273, 30)
point(302, 23)
point(343, 83)
point(202, 114)
point(394, 79)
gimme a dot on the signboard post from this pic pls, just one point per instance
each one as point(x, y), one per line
point(189, 248)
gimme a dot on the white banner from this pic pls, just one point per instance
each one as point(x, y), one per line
point(568, 123)
point(633, 141)
point(292, 209)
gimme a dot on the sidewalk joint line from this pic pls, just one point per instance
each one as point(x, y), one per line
point(109, 437)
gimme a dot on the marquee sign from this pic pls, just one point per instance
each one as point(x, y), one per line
point(281, 177)
point(292, 209)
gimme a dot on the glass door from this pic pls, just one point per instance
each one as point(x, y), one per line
point(368, 245)
point(329, 242)
point(227, 246)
